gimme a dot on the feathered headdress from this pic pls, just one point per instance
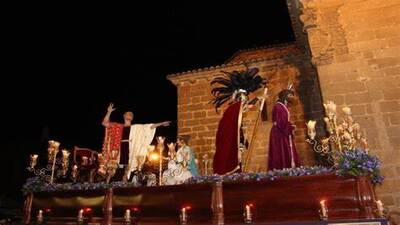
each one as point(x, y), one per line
point(232, 83)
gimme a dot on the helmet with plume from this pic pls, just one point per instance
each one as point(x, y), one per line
point(230, 84)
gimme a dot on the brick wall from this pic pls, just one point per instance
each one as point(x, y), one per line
point(355, 46)
point(198, 118)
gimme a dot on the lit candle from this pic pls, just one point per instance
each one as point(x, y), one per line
point(56, 145)
point(50, 152)
point(183, 214)
point(33, 160)
point(84, 160)
point(65, 154)
point(40, 216)
point(330, 108)
point(80, 215)
point(160, 139)
point(346, 110)
point(248, 212)
point(127, 215)
point(324, 209)
point(379, 205)
point(311, 128)
point(74, 171)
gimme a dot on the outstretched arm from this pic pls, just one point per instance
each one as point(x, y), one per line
point(165, 123)
point(106, 120)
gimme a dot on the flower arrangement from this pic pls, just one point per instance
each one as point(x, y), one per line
point(359, 163)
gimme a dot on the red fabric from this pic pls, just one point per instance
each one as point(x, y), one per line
point(226, 143)
point(112, 138)
point(280, 153)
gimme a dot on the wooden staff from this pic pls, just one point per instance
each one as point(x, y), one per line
point(254, 130)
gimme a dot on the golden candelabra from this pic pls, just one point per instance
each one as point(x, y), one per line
point(341, 137)
point(206, 162)
point(57, 167)
point(108, 164)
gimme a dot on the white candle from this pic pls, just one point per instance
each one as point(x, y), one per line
point(183, 212)
point(128, 215)
point(84, 160)
point(33, 160)
point(311, 128)
point(74, 171)
point(323, 208)
point(379, 205)
point(80, 214)
point(248, 212)
point(40, 216)
point(346, 110)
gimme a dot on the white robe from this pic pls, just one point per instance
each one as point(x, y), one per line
point(140, 137)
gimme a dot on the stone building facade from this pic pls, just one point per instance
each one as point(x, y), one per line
point(279, 64)
point(347, 51)
point(355, 47)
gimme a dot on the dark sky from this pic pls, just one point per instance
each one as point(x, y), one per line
point(64, 65)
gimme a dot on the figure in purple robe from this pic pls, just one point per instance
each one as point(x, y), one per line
point(282, 150)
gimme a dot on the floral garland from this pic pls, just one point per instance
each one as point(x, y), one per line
point(353, 163)
point(35, 184)
point(270, 175)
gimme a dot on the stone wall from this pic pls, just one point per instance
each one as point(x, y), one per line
point(355, 46)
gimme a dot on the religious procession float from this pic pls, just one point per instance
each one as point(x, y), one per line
point(160, 185)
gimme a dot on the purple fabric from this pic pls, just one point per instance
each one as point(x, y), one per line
point(281, 150)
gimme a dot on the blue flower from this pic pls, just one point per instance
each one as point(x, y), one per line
point(359, 163)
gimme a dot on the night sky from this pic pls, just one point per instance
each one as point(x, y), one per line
point(63, 67)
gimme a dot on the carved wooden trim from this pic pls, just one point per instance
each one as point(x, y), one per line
point(28, 208)
point(366, 197)
point(217, 204)
point(108, 207)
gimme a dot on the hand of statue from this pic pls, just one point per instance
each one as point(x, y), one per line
point(110, 108)
point(166, 123)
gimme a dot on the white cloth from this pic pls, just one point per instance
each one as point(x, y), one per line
point(140, 138)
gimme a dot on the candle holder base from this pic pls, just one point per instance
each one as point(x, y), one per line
point(247, 218)
point(183, 220)
point(248, 221)
point(322, 216)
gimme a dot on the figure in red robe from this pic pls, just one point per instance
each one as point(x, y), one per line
point(127, 143)
point(226, 158)
point(282, 150)
point(235, 87)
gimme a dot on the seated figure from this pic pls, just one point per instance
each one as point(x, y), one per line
point(173, 167)
point(182, 164)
